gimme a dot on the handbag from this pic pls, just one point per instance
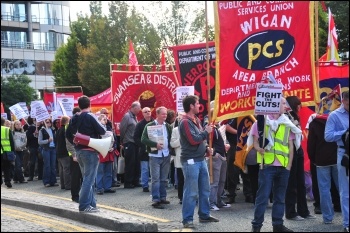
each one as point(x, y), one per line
point(121, 164)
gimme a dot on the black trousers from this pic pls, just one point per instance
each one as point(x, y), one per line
point(180, 183)
point(132, 164)
point(8, 169)
point(76, 179)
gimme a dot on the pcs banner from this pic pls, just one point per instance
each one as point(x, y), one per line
point(255, 39)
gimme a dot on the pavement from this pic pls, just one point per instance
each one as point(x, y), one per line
point(108, 217)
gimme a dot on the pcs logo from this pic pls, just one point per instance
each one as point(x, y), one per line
point(264, 50)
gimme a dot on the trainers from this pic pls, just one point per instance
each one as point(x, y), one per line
point(328, 222)
point(214, 207)
point(310, 217)
point(100, 192)
point(224, 205)
point(281, 228)
point(256, 229)
point(346, 229)
point(90, 209)
point(164, 202)
point(188, 225)
point(47, 185)
point(8, 184)
point(110, 191)
point(146, 190)
point(210, 219)
point(296, 218)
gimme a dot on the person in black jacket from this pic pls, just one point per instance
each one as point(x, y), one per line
point(62, 155)
point(143, 154)
point(324, 155)
point(33, 146)
point(87, 124)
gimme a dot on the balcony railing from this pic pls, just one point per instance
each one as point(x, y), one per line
point(27, 45)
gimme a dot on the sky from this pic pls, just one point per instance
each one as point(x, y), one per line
point(83, 7)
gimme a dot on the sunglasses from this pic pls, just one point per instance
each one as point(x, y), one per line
point(146, 111)
point(47, 122)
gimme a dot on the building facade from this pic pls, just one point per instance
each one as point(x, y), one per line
point(31, 32)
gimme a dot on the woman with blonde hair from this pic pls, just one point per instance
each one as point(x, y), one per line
point(20, 140)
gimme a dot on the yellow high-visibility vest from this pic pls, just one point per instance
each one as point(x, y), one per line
point(280, 149)
point(5, 138)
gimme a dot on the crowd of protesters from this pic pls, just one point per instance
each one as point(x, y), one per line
point(181, 159)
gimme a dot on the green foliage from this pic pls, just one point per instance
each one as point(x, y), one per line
point(16, 89)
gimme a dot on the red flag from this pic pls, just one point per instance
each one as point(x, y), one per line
point(332, 44)
point(132, 57)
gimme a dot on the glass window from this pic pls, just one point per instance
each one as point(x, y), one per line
point(13, 12)
point(35, 13)
point(13, 39)
point(65, 15)
point(57, 14)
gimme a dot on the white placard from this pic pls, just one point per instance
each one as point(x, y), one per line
point(40, 110)
point(4, 115)
point(268, 98)
point(65, 105)
point(32, 110)
point(155, 134)
point(24, 107)
point(182, 92)
point(54, 115)
point(18, 111)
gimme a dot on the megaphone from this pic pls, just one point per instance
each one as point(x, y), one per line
point(101, 145)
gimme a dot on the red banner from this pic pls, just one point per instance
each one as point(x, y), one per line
point(104, 98)
point(191, 64)
point(152, 89)
point(258, 38)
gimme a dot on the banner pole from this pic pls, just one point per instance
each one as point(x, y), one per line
point(263, 144)
point(172, 68)
point(208, 90)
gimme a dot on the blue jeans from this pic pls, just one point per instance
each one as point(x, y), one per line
point(144, 173)
point(324, 178)
point(277, 179)
point(49, 174)
point(197, 186)
point(343, 180)
point(104, 176)
point(159, 173)
point(88, 162)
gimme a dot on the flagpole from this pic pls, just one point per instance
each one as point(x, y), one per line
point(208, 90)
point(172, 68)
point(317, 53)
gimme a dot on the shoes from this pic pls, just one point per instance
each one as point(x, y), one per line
point(23, 182)
point(180, 202)
point(100, 192)
point(188, 225)
point(296, 218)
point(281, 228)
point(249, 199)
point(214, 207)
point(15, 182)
point(146, 190)
point(256, 229)
point(310, 217)
point(90, 209)
point(224, 205)
point(164, 202)
point(110, 191)
point(75, 200)
point(328, 222)
point(157, 205)
point(346, 229)
point(129, 186)
point(231, 200)
point(115, 185)
point(30, 179)
point(210, 219)
point(137, 185)
point(317, 210)
point(8, 184)
point(47, 185)
point(55, 184)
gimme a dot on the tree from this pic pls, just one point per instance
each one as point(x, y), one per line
point(15, 89)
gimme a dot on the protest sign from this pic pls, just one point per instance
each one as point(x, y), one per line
point(18, 111)
point(40, 110)
point(182, 92)
point(268, 98)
